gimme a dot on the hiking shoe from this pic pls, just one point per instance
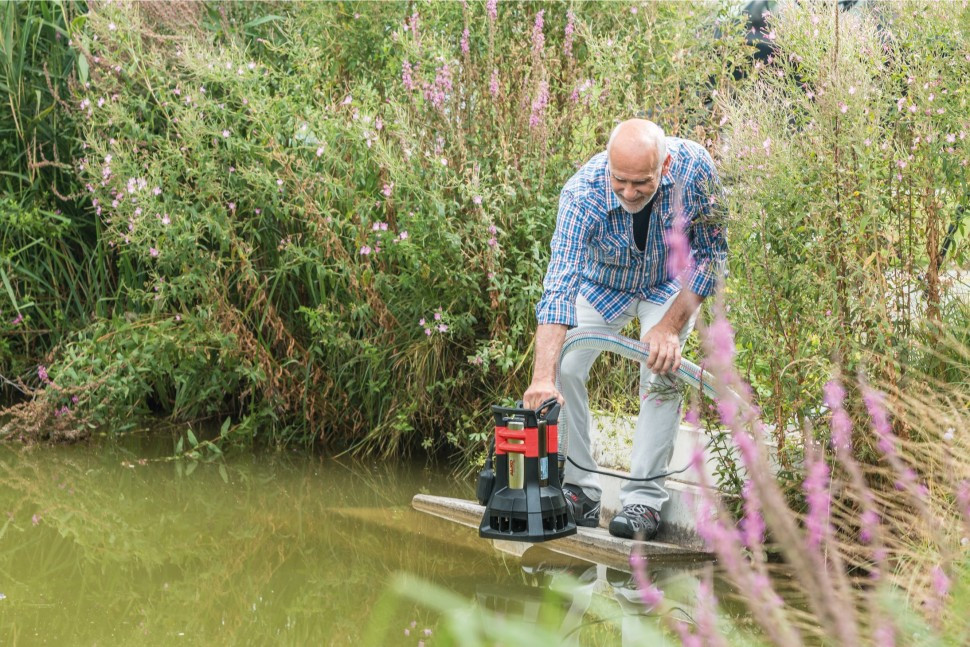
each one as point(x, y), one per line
point(586, 512)
point(636, 521)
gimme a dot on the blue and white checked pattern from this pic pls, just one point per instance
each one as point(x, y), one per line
point(593, 251)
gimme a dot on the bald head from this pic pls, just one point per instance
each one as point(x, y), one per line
point(637, 156)
point(637, 141)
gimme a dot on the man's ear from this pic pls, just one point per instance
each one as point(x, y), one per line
point(666, 166)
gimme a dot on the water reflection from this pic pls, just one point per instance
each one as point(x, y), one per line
point(274, 548)
point(594, 602)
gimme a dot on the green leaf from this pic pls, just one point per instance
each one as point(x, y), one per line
point(178, 446)
point(192, 439)
point(82, 68)
point(261, 20)
point(225, 427)
point(222, 473)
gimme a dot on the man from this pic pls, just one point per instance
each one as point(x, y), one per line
point(609, 264)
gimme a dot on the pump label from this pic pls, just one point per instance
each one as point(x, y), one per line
point(544, 468)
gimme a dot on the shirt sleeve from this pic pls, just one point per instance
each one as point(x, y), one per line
point(708, 230)
point(569, 241)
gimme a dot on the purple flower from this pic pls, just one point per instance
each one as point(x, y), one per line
point(464, 41)
point(752, 524)
point(42, 374)
point(493, 83)
point(692, 417)
point(869, 521)
point(406, 78)
point(650, 595)
point(678, 246)
point(538, 38)
point(539, 104)
point(491, 8)
point(941, 583)
point(875, 405)
point(153, 252)
point(817, 497)
point(442, 327)
point(567, 46)
point(365, 250)
point(721, 339)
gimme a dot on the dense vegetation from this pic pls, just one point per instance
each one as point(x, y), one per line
point(329, 221)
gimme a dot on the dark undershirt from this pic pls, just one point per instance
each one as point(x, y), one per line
point(641, 224)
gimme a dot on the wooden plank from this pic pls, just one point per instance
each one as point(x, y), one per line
point(592, 544)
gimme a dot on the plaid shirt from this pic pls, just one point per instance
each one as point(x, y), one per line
point(593, 249)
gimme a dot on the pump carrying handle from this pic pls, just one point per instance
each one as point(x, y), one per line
point(553, 405)
point(548, 411)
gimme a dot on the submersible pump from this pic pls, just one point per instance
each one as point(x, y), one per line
point(521, 484)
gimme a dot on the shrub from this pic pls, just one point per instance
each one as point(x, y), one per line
point(364, 221)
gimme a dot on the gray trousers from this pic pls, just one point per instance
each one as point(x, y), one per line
point(657, 424)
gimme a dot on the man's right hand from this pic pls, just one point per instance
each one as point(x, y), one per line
point(540, 391)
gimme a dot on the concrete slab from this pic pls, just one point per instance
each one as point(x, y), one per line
point(592, 544)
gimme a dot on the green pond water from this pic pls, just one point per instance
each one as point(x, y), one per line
point(100, 547)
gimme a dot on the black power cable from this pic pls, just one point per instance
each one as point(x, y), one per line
point(654, 477)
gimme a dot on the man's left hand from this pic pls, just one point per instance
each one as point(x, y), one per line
point(664, 343)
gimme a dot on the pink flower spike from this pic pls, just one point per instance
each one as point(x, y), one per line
point(817, 497)
point(477, 199)
point(225, 133)
point(365, 250)
point(153, 252)
point(443, 328)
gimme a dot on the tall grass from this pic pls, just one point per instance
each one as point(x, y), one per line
point(311, 185)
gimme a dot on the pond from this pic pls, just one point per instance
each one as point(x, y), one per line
point(103, 544)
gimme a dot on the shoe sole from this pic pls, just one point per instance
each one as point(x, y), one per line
point(588, 523)
point(622, 531)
